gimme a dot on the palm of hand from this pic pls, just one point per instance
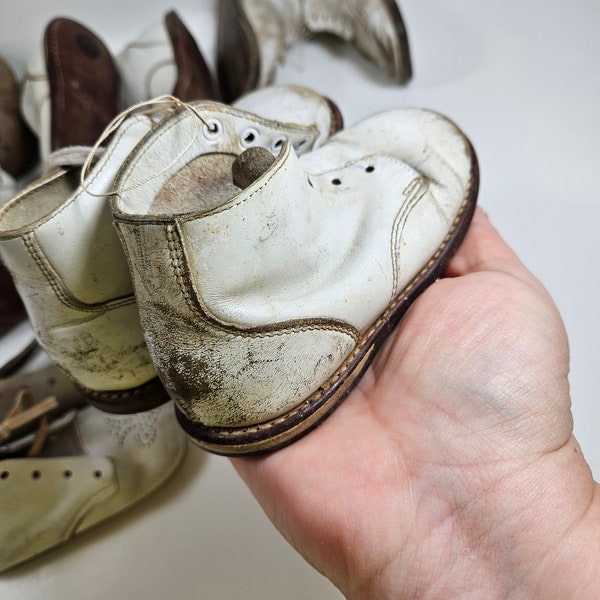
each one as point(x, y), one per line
point(430, 458)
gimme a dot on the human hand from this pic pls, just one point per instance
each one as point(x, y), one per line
point(451, 470)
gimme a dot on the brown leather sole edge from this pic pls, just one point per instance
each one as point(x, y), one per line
point(285, 429)
point(125, 402)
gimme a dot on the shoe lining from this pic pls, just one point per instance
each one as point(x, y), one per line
point(200, 186)
point(40, 203)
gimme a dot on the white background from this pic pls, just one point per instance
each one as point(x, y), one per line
point(522, 78)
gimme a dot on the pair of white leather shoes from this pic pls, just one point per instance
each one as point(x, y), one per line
point(256, 308)
point(58, 240)
point(260, 306)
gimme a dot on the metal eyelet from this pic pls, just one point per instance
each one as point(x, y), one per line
point(278, 143)
point(250, 137)
point(212, 129)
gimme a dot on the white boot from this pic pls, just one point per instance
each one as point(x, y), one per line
point(262, 306)
point(59, 242)
point(255, 35)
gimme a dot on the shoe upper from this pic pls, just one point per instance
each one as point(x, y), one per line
point(58, 240)
point(254, 36)
point(252, 298)
point(91, 469)
point(60, 245)
point(165, 59)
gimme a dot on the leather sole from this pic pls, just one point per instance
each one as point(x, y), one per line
point(123, 402)
point(84, 83)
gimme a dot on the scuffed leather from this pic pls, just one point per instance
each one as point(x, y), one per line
point(251, 299)
point(67, 262)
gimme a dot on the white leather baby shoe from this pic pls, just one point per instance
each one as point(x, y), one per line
point(59, 242)
point(262, 306)
point(90, 468)
point(165, 59)
point(254, 36)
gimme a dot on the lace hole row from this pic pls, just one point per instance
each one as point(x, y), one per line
point(213, 129)
point(337, 181)
point(67, 474)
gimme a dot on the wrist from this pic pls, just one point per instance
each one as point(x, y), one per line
point(532, 533)
point(543, 539)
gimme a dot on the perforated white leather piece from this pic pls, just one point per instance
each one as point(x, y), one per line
point(46, 500)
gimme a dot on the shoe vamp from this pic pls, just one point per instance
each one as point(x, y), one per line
point(327, 254)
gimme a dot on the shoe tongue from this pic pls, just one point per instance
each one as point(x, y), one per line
point(250, 165)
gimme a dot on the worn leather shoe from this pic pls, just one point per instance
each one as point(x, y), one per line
point(70, 271)
point(263, 305)
point(254, 36)
point(58, 240)
point(165, 59)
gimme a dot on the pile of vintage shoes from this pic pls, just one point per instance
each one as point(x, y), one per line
point(209, 255)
